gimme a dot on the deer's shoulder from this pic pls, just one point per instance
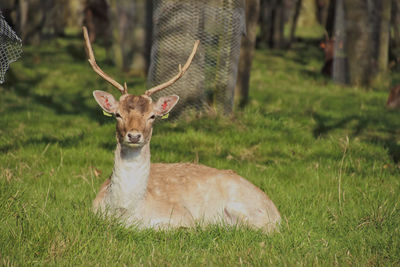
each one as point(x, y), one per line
point(183, 171)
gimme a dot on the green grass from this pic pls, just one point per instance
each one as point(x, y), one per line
point(327, 155)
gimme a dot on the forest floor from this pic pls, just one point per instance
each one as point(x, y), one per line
point(327, 155)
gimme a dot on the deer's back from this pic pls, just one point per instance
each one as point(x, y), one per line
point(192, 191)
point(175, 180)
point(187, 183)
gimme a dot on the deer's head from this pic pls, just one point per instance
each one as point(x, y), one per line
point(135, 114)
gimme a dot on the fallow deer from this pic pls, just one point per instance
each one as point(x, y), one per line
point(161, 195)
point(393, 101)
point(329, 47)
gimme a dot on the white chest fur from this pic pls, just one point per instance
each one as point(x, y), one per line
point(129, 179)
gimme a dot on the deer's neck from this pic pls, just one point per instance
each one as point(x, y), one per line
point(130, 176)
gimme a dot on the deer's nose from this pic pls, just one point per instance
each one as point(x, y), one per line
point(134, 137)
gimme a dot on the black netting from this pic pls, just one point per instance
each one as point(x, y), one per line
point(211, 78)
point(10, 47)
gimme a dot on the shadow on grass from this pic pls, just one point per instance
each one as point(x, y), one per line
point(391, 145)
point(109, 145)
point(306, 50)
point(63, 104)
point(34, 79)
point(365, 128)
point(61, 141)
point(45, 140)
point(301, 53)
point(315, 75)
point(77, 52)
point(323, 128)
point(6, 148)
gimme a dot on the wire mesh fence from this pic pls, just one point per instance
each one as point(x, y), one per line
point(211, 78)
point(10, 47)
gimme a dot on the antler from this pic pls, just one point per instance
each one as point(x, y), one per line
point(179, 75)
point(96, 68)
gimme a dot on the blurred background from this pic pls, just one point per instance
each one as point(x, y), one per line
point(358, 41)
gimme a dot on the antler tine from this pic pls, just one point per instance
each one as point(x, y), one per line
point(96, 68)
point(179, 75)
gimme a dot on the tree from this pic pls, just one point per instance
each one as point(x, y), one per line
point(383, 32)
point(247, 52)
point(322, 8)
point(272, 20)
point(395, 25)
point(35, 19)
point(211, 79)
point(295, 18)
point(97, 20)
point(367, 39)
point(131, 33)
point(330, 18)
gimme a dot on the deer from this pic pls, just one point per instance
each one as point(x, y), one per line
point(393, 101)
point(174, 195)
point(328, 46)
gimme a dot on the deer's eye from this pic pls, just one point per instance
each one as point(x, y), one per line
point(152, 117)
point(117, 115)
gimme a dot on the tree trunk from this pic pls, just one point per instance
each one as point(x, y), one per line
point(395, 37)
point(322, 10)
point(211, 78)
point(358, 46)
point(57, 17)
point(96, 19)
point(31, 20)
point(330, 19)
point(278, 25)
point(384, 35)
point(266, 8)
point(35, 19)
point(9, 10)
point(367, 44)
point(272, 14)
point(247, 53)
point(130, 34)
point(295, 20)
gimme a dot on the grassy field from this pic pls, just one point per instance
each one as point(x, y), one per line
point(327, 155)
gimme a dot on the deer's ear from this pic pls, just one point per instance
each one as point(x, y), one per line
point(165, 104)
point(106, 101)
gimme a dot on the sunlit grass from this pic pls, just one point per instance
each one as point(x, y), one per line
point(327, 155)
